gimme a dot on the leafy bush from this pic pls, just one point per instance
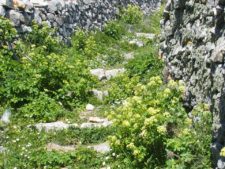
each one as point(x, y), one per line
point(145, 64)
point(85, 43)
point(114, 29)
point(121, 87)
point(132, 14)
point(43, 74)
point(152, 125)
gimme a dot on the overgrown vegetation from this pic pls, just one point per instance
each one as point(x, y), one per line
point(42, 80)
point(153, 129)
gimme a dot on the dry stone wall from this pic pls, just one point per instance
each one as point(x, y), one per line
point(66, 16)
point(193, 46)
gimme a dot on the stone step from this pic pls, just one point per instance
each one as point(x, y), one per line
point(101, 148)
point(57, 147)
point(54, 126)
point(57, 126)
point(106, 74)
point(136, 42)
point(146, 35)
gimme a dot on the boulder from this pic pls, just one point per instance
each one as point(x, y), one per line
point(16, 17)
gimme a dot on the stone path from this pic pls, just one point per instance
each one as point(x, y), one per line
point(89, 115)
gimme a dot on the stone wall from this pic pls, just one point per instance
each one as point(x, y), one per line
point(193, 46)
point(66, 16)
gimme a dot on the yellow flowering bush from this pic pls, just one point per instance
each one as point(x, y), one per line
point(150, 124)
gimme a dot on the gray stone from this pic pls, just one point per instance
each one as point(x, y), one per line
point(146, 35)
point(136, 42)
point(90, 107)
point(2, 11)
point(101, 148)
point(129, 56)
point(100, 94)
point(100, 73)
point(113, 73)
point(2, 149)
point(54, 126)
point(16, 17)
point(60, 148)
point(6, 116)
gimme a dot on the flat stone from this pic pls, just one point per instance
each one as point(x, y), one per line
point(101, 148)
point(100, 73)
point(146, 35)
point(97, 120)
point(136, 42)
point(113, 73)
point(95, 125)
point(90, 107)
point(54, 126)
point(57, 147)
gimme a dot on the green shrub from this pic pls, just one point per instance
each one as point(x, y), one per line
point(153, 122)
point(121, 87)
point(132, 14)
point(85, 43)
point(42, 74)
point(145, 64)
point(114, 29)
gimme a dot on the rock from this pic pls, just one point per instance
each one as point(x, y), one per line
point(100, 73)
point(95, 125)
point(218, 53)
point(146, 35)
point(2, 149)
point(57, 147)
point(220, 164)
point(100, 94)
point(136, 42)
point(18, 4)
point(16, 17)
point(113, 73)
point(97, 120)
point(129, 56)
point(90, 107)
point(2, 11)
point(6, 116)
point(55, 5)
point(101, 148)
point(39, 3)
point(54, 126)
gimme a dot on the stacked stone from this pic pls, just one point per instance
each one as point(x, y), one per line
point(66, 16)
point(193, 46)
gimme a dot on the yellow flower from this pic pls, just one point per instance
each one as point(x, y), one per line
point(153, 111)
point(188, 121)
point(137, 99)
point(181, 89)
point(172, 84)
point(126, 123)
point(222, 152)
point(167, 91)
point(166, 114)
point(161, 129)
point(150, 121)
